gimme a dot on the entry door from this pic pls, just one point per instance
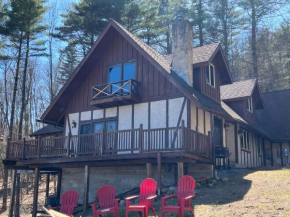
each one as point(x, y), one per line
point(218, 132)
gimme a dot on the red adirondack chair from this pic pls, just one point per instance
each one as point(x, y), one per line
point(147, 195)
point(186, 185)
point(69, 201)
point(106, 201)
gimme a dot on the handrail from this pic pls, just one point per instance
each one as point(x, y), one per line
point(119, 88)
point(115, 142)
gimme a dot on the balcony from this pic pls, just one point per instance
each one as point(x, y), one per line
point(116, 94)
point(123, 144)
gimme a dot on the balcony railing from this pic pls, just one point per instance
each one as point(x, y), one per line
point(113, 143)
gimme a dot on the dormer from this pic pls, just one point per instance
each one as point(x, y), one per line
point(244, 97)
point(210, 70)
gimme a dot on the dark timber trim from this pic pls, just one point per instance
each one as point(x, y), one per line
point(236, 144)
point(12, 193)
point(281, 154)
point(35, 194)
point(86, 188)
point(159, 173)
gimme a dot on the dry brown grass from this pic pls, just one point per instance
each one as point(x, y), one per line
point(258, 193)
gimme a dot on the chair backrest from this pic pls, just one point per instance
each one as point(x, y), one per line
point(106, 196)
point(147, 188)
point(68, 202)
point(186, 185)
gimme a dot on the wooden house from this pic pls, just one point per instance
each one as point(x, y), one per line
point(129, 113)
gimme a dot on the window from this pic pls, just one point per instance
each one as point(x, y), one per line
point(250, 105)
point(85, 129)
point(122, 72)
point(210, 75)
point(245, 140)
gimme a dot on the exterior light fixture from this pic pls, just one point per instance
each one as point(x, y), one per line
point(74, 124)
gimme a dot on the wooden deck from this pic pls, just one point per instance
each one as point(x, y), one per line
point(119, 146)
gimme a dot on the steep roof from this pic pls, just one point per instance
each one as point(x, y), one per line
point(204, 55)
point(275, 118)
point(242, 90)
point(48, 129)
point(238, 89)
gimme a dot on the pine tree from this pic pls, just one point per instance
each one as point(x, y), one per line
point(67, 64)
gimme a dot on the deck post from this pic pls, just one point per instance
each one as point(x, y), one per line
point(68, 144)
point(12, 192)
point(183, 135)
point(180, 166)
point(35, 193)
point(58, 186)
point(86, 188)
point(272, 160)
point(5, 189)
point(149, 170)
point(38, 147)
point(141, 138)
point(17, 201)
point(159, 172)
point(264, 154)
point(281, 154)
point(23, 151)
point(103, 141)
point(47, 185)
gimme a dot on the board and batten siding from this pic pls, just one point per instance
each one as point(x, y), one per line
point(153, 85)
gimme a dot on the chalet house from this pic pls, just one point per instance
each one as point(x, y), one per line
point(129, 113)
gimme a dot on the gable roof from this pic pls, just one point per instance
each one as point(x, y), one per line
point(48, 129)
point(275, 118)
point(242, 90)
point(56, 109)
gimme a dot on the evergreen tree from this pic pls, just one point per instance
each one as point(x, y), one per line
point(67, 64)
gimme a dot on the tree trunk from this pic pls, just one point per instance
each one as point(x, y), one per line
point(15, 86)
point(254, 39)
point(200, 23)
point(225, 27)
point(24, 87)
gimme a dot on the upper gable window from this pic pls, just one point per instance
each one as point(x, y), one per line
point(250, 104)
point(210, 75)
point(122, 72)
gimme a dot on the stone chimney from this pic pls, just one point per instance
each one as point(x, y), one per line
point(182, 39)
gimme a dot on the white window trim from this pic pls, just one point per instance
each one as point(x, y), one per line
point(246, 145)
point(210, 75)
point(250, 102)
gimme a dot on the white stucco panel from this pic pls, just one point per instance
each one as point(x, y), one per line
point(125, 117)
point(86, 116)
point(193, 115)
point(111, 112)
point(97, 114)
point(158, 114)
point(141, 115)
point(175, 106)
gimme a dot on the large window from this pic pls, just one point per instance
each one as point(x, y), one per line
point(98, 127)
point(210, 75)
point(250, 104)
point(122, 72)
point(245, 139)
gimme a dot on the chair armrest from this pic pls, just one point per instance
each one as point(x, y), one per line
point(117, 199)
point(151, 197)
point(54, 207)
point(132, 197)
point(189, 197)
point(163, 199)
point(169, 196)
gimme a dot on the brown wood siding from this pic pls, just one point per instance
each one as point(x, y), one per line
point(153, 84)
point(199, 81)
point(240, 107)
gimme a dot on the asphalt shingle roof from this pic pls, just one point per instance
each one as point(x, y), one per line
point(238, 89)
point(48, 129)
point(275, 118)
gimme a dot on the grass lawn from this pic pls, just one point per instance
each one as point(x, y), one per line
point(258, 193)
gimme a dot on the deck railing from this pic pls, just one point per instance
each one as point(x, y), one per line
point(117, 142)
point(116, 89)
